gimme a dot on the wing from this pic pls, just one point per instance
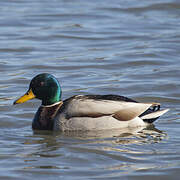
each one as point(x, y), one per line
point(89, 106)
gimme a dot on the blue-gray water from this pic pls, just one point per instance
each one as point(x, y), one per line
point(129, 48)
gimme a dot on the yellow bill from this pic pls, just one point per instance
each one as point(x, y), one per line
point(29, 95)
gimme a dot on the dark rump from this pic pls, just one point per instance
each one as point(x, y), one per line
point(148, 111)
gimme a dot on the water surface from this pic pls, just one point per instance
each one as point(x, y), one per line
point(129, 48)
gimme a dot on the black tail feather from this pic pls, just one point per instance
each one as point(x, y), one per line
point(150, 110)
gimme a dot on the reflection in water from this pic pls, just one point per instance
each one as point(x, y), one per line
point(124, 132)
point(149, 132)
point(117, 145)
point(46, 141)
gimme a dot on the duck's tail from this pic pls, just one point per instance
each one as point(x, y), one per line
point(153, 113)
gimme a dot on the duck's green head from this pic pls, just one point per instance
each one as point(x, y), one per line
point(44, 87)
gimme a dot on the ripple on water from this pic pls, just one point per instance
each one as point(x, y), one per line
point(94, 47)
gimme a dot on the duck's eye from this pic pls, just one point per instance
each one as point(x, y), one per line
point(41, 83)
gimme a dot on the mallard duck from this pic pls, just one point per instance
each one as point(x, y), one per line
point(85, 112)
